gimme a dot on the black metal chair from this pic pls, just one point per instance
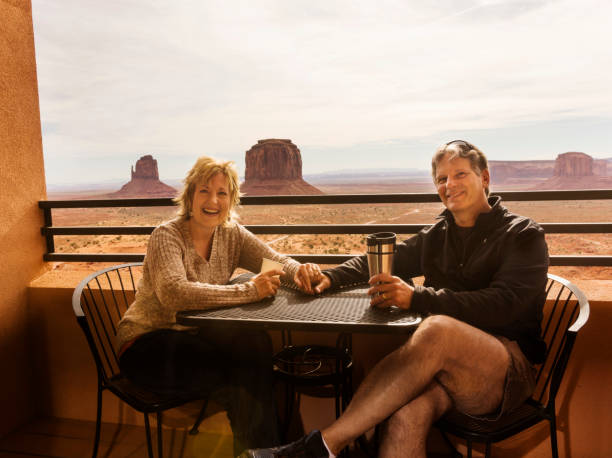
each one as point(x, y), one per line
point(99, 302)
point(565, 312)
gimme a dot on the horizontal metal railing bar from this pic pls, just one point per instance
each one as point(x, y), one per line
point(591, 194)
point(95, 203)
point(49, 231)
point(555, 260)
point(577, 228)
point(97, 230)
point(93, 257)
point(549, 228)
point(599, 261)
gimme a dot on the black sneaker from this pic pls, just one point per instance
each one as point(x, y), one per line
point(309, 446)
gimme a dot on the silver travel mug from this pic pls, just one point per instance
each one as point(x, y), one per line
point(381, 248)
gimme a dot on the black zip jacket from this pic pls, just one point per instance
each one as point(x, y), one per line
point(494, 280)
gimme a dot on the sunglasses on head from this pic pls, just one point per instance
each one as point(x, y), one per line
point(461, 143)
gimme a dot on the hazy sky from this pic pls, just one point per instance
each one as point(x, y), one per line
point(354, 84)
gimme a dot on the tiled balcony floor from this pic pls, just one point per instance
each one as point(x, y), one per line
point(54, 437)
point(64, 438)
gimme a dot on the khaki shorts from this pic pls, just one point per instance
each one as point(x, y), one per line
point(519, 385)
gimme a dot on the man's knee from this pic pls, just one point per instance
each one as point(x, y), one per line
point(438, 324)
point(436, 331)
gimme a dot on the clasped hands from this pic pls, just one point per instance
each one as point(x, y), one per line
point(386, 290)
point(308, 278)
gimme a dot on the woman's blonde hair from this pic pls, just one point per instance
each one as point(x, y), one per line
point(203, 170)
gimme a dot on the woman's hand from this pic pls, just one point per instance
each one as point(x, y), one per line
point(267, 283)
point(387, 290)
point(310, 279)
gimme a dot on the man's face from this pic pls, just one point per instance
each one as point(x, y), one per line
point(461, 189)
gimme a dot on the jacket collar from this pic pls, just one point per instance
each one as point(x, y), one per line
point(484, 218)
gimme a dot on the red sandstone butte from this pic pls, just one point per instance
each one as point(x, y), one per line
point(577, 171)
point(144, 182)
point(274, 167)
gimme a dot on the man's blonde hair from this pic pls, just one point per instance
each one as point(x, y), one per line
point(202, 171)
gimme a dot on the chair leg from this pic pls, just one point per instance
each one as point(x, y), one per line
point(469, 448)
point(337, 399)
point(553, 437)
point(344, 452)
point(347, 395)
point(450, 444)
point(488, 450)
point(194, 430)
point(148, 432)
point(98, 423)
point(160, 448)
point(290, 401)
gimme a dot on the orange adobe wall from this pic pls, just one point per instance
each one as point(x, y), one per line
point(22, 185)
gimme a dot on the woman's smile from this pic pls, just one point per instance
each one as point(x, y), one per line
point(212, 200)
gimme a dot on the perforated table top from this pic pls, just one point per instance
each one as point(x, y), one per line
point(347, 310)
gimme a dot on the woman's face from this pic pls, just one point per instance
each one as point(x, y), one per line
point(210, 204)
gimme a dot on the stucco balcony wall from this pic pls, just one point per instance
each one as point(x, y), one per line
point(22, 185)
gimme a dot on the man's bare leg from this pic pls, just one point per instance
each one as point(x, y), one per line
point(405, 432)
point(470, 364)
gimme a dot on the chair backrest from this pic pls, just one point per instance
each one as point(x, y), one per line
point(99, 302)
point(565, 312)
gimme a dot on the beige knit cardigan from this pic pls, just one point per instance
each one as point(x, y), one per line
point(176, 277)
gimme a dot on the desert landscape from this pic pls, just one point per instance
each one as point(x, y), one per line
point(274, 167)
point(563, 211)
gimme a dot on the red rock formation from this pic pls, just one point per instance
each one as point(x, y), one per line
point(508, 171)
point(575, 171)
point(573, 165)
point(600, 167)
point(274, 167)
point(146, 167)
point(145, 182)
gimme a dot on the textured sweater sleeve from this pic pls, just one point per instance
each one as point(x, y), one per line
point(253, 250)
point(166, 255)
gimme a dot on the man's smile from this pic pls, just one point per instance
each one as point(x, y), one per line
point(454, 194)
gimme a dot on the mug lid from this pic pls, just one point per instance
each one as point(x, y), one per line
point(380, 238)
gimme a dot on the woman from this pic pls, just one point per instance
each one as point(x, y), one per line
point(188, 264)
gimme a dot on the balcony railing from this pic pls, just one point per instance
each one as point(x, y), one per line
point(49, 231)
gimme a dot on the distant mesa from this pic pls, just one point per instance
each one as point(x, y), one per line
point(274, 167)
point(509, 172)
point(572, 170)
point(144, 182)
point(575, 170)
point(573, 165)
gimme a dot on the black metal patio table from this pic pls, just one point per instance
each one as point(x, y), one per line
point(347, 310)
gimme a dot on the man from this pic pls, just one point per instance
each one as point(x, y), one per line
point(485, 275)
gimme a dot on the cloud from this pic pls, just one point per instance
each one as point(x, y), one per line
point(190, 77)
